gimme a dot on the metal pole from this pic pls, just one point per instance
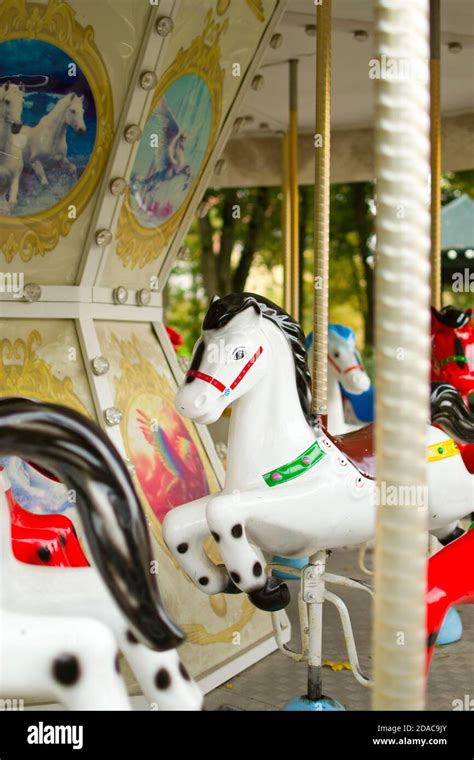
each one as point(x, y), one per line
point(402, 351)
point(435, 136)
point(321, 209)
point(286, 220)
point(293, 190)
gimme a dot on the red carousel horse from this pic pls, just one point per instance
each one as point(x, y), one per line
point(452, 359)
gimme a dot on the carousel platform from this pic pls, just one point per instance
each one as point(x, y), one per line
point(273, 681)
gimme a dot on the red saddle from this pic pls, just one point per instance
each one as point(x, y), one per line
point(358, 448)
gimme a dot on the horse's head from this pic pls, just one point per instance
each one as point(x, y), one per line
point(74, 113)
point(228, 359)
point(346, 361)
point(452, 347)
point(11, 102)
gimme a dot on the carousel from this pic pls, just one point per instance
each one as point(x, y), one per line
point(145, 561)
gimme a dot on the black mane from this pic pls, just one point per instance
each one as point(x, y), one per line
point(224, 309)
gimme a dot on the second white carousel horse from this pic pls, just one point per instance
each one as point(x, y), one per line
point(62, 625)
point(289, 490)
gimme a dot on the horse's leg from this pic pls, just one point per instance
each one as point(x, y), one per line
point(37, 167)
point(13, 192)
point(67, 164)
point(226, 516)
point(185, 529)
point(164, 680)
point(70, 659)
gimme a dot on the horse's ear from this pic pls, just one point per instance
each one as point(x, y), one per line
point(214, 299)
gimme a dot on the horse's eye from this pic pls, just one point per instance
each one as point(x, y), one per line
point(336, 354)
point(239, 354)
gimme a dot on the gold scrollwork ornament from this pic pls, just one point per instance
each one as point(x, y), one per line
point(56, 24)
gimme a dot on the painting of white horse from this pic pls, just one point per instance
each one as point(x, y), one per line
point(46, 142)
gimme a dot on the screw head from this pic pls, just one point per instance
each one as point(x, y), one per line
point(120, 295)
point(31, 292)
point(454, 47)
point(103, 237)
point(219, 168)
point(143, 297)
point(132, 133)
point(164, 26)
point(100, 365)
point(276, 41)
point(257, 82)
point(118, 186)
point(360, 35)
point(148, 80)
point(113, 416)
point(130, 466)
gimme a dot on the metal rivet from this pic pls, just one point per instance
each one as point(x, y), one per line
point(113, 416)
point(31, 292)
point(143, 297)
point(221, 451)
point(360, 35)
point(276, 41)
point(132, 133)
point(118, 186)
point(257, 82)
point(148, 80)
point(103, 237)
point(183, 253)
point(120, 295)
point(164, 26)
point(184, 363)
point(220, 166)
point(202, 210)
point(100, 365)
point(130, 466)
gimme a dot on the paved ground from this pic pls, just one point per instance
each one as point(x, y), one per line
point(269, 684)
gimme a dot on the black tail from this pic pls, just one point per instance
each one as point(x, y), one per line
point(84, 459)
point(449, 411)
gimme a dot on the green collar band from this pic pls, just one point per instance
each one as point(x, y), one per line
point(296, 467)
point(458, 358)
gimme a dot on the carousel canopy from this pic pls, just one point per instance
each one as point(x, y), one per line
point(253, 155)
point(457, 225)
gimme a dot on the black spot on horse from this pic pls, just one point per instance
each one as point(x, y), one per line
point(162, 679)
point(204, 581)
point(257, 569)
point(237, 531)
point(183, 548)
point(235, 577)
point(44, 554)
point(66, 669)
point(184, 672)
point(215, 536)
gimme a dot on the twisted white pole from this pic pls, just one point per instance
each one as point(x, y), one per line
point(402, 350)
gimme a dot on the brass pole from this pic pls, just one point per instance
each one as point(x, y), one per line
point(435, 136)
point(321, 209)
point(286, 224)
point(293, 189)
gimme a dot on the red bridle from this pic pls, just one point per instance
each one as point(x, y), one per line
point(346, 371)
point(217, 383)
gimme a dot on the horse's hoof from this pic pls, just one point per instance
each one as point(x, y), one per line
point(272, 597)
point(231, 588)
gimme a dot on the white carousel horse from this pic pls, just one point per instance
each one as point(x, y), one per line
point(289, 490)
point(11, 139)
point(47, 140)
point(73, 619)
point(345, 371)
